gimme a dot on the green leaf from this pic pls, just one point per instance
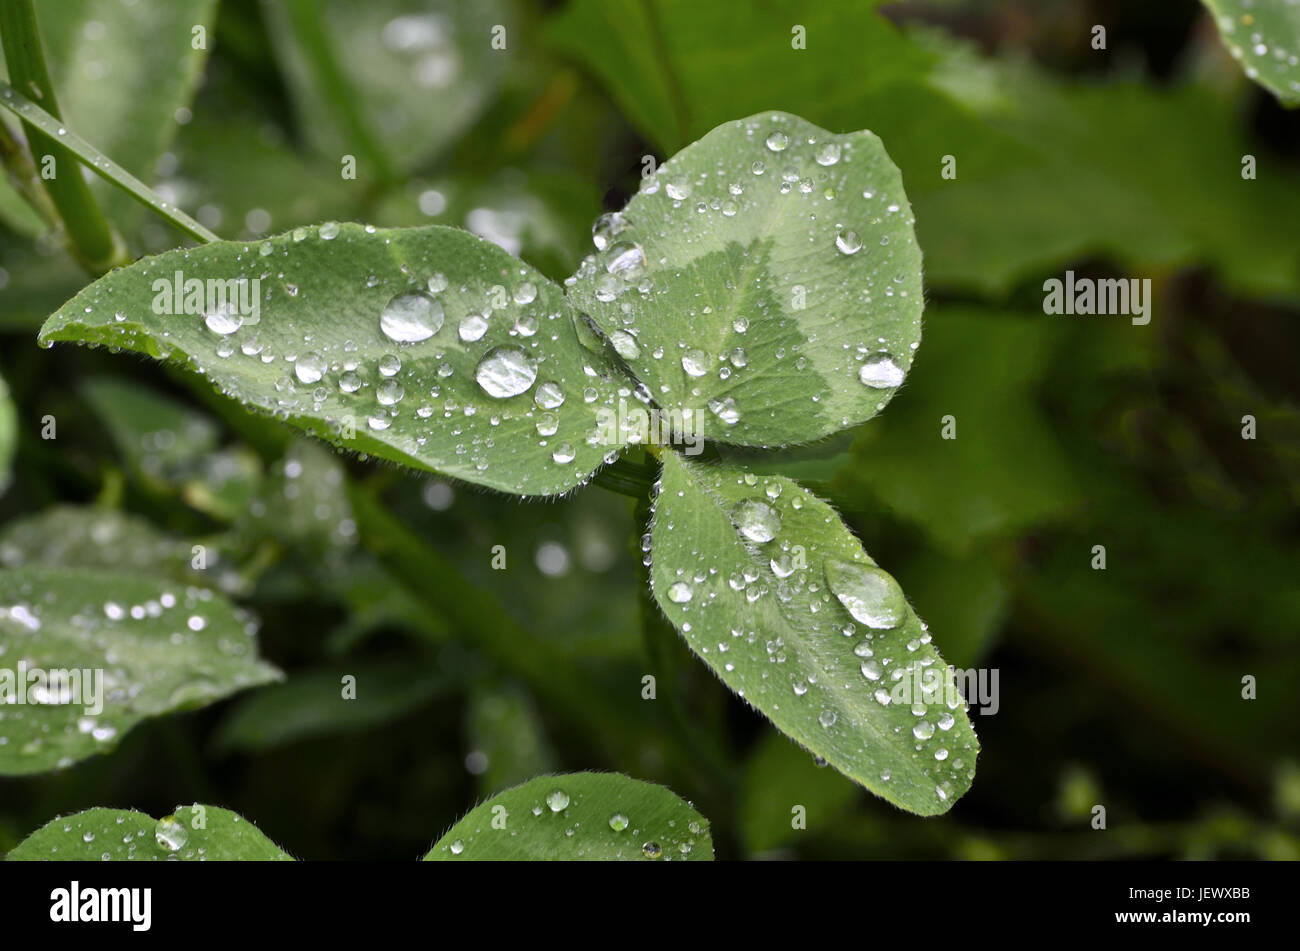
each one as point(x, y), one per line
point(773, 592)
point(590, 816)
point(72, 536)
point(1265, 38)
point(316, 355)
point(191, 834)
point(157, 646)
point(765, 280)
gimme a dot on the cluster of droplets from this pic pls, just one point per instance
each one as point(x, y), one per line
point(883, 657)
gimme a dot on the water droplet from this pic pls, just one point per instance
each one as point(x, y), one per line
point(389, 365)
point(549, 395)
point(170, 834)
point(390, 392)
point(778, 141)
point(437, 283)
point(848, 242)
point(872, 596)
point(652, 850)
point(410, 318)
point(618, 822)
point(473, 327)
point(557, 800)
point(757, 521)
point(828, 154)
point(626, 260)
point(880, 372)
point(680, 593)
point(526, 293)
point(625, 344)
point(695, 362)
point(457, 847)
point(606, 228)
point(923, 730)
point(504, 372)
point(309, 367)
point(564, 454)
point(329, 231)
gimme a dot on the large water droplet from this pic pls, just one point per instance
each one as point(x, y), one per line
point(880, 372)
point(309, 367)
point(505, 371)
point(410, 318)
point(778, 141)
point(757, 521)
point(549, 395)
point(872, 596)
point(848, 242)
point(170, 834)
point(557, 800)
point(680, 593)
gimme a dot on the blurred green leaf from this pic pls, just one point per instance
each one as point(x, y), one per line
point(766, 584)
point(587, 816)
point(385, 84)
point(193, 833)
point(505, 729)
point(1003, 471)
point(779, 779)
point(8, 434)
point(158, 647)
point(313, 703)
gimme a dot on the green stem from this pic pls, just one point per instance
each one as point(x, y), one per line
point(91, 238)
point(99, 163)
point(23, 176)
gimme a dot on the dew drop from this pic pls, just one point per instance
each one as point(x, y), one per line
point(880, 372)
point(504, 372)
point(410, 318)
point(871, 595)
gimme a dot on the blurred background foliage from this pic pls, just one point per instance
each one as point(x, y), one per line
point(1119, 687)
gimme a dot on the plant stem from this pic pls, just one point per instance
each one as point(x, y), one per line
point(91, 238)
point(101, 164)
point(23, 176)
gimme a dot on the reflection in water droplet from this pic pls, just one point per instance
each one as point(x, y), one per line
point(309, 367)
point(757, 521)
point(848, 242)
point(410, 318)
point(557, 800)
point(505, 371)
point(549, 395)
point(880, 372)
point(872, 596)
point(170, 834)
point(618, 822)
